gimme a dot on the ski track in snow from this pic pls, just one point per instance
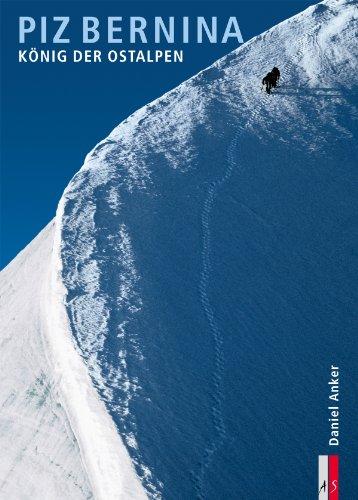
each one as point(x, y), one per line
point(218, 339)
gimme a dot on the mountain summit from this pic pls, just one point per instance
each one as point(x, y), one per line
point(159, 334)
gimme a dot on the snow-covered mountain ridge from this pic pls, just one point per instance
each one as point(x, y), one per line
point(146, 195)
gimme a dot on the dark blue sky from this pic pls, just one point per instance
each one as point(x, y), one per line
point(53, 114)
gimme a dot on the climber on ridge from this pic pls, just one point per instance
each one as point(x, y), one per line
point(271, 79)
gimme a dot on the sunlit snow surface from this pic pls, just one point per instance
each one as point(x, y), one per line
point(57, 439)
point(39, 454)
point(206, 253)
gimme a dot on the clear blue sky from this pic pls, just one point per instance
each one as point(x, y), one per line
point(53, 114)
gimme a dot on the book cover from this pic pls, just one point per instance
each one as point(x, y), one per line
point(178, 250)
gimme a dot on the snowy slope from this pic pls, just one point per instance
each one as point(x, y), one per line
point(177, 153)
point(180, 204)
point(46, 395)
point(40, 457)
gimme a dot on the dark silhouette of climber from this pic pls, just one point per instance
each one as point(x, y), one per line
point(271, 79)
point(323, 487)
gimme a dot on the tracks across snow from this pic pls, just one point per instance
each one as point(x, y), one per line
point(214, 325)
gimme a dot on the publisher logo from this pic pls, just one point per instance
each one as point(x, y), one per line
point(328, 477)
